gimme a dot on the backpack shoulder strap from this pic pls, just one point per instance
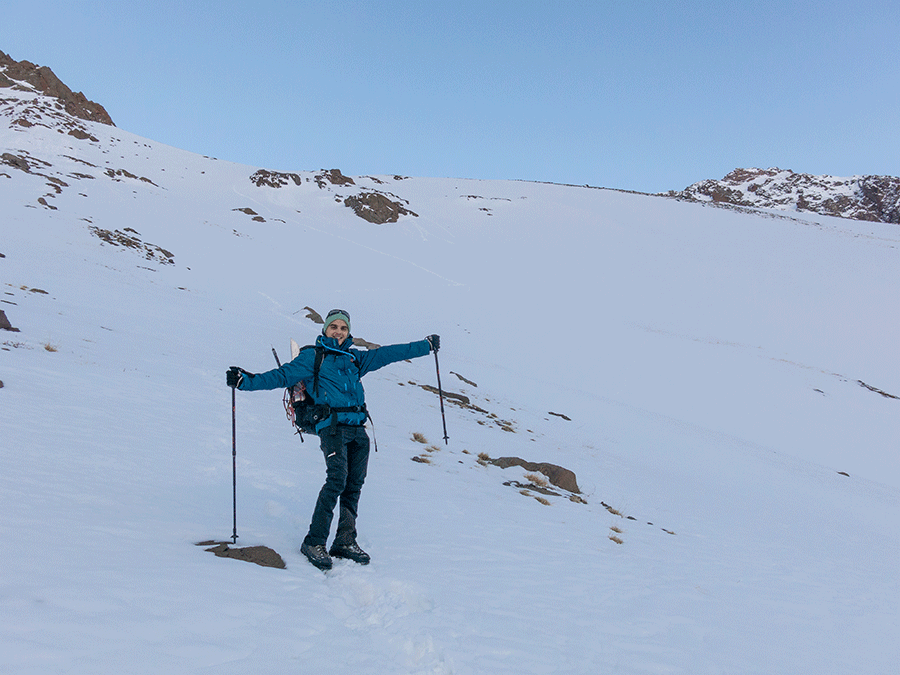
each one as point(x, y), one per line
point(320, 355)
point(317, 363)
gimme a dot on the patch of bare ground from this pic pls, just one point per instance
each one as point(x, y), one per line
point(119, 174)
point(313, 315)
point(250, 212)
point(132, 241)
point(465, 402)
point(469, 382)
point(260, 555)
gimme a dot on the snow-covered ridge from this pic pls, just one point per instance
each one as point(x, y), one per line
point(872, 198)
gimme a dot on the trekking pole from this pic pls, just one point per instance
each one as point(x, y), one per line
point(234, 534)
point(441, 396)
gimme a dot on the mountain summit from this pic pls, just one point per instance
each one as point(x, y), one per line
point(874, 198)
point(27, 76)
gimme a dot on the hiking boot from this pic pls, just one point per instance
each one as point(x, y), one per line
point(316, 555)
point(350, 552)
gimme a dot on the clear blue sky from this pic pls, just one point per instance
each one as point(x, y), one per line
point(646, 96)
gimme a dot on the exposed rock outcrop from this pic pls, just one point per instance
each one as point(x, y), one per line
point(45, 81)
point(377, 208)
point(333, 176)
point(872, 198)
point(275, 179)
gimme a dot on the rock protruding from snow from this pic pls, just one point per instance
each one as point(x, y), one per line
point(873, 198)
point(557, 475)
point(377, 208)
point(42, 79)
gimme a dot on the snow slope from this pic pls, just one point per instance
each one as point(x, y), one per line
point(709, 364)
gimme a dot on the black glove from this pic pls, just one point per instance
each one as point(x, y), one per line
point(234, 376)
point(434, 341)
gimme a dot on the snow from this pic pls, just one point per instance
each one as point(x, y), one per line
point(709, 361)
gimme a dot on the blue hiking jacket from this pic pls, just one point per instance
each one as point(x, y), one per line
point(339, 375)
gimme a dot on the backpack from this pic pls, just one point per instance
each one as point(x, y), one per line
point(299, 405)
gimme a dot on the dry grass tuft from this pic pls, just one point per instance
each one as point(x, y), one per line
point(543, 501)
point(616, 529)
point(433, 448)
point(51, 347)
point(536, 479)
point(484, 456)
point(577, 499)
point(421, 460)
point(419, 438)
point(614, 538)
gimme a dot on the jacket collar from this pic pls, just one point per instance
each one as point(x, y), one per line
point(331, 344)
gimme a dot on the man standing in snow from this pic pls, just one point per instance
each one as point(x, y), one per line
point(343, 438)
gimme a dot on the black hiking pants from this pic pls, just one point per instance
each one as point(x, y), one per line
point(346, 450)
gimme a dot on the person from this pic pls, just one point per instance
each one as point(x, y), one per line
point(342, 436)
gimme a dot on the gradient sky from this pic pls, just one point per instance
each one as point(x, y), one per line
point(646, 96)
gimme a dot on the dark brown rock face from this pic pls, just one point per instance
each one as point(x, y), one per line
point(377, 208)
point(333, 176)
point(44, 81)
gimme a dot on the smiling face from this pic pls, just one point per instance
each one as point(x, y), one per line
point(339, 330)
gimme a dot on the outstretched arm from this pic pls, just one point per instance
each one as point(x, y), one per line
point(378, 358)
point(289, 374)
